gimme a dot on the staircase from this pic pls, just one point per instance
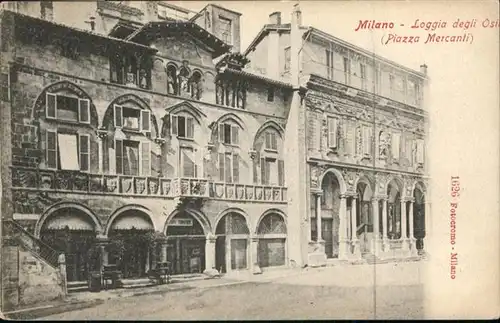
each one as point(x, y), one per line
point(75, 287)
point(15, 234)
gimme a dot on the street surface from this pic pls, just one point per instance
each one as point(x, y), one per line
point(342, 292)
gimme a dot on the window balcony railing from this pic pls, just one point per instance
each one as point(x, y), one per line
point(61, 181)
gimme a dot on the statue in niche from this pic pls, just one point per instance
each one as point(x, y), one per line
point(384, 140)
point(219, 92)
point(130, 75)
point(241, 96)
point(143, 82)
point(184, 78)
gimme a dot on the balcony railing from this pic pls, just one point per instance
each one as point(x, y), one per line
point(79, 182)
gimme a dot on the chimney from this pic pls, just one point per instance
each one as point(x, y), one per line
point(423, 69)
point(91, 22)
point(46, 10)
point(275, 18)
point(296, 15)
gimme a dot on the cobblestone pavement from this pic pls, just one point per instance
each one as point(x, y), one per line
point(325, 293)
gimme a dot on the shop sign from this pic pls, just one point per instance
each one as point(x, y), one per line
point(181, 222)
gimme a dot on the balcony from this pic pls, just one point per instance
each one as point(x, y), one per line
point(31, 179)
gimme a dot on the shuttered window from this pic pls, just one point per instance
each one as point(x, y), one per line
point(182, 127)
point(119, 156)
point(281, 173)
point(83, 110)
point(188, 162)
point(228, 166)
point(332, 132)
point(145, 158)
point(264, 179)
point(145, 120)
point(236, 168)
point(51, 106)
point(174, 125)
point(84, 152)
point(221, 167)
point(271, 141)
point(118, 116)
point(51, 146)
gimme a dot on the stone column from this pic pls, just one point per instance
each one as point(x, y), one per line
point(101, 134)
point(343, 227)
point(385, 241)
point(254, 256)
point(318, 216)
point(163, 253)
point(61, 260)
point(404, 237)
point(413, 241)
point(354, 238)
point(376, 227)
point(210, 255)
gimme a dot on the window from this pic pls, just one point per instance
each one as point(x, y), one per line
point(420, 151)
point(66, 108)
point(228, 134)
point(133, 157)
point(332, 132)
point(287, 58)
point(395, 145)
point(271, 141)
point(126, 69)
point(272, 172)
point(367, 140)
point(229, 167)
point(270, 94)
point(329, 64)
point(76, 150)
point(188, 165)
point(225, 30)
point(132, 118)
point(182, 127)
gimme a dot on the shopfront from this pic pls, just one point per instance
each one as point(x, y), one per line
point(71, 231)
point(231, 248)
point(272, 241)
point(185, 244)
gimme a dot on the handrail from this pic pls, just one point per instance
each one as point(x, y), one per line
point(46, 252)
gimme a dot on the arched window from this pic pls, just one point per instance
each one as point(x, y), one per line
point(172, 80)
point(195, 83)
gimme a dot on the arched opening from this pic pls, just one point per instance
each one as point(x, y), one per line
point(393, 211)
point(185, 244)
point(172, 87)
point(330, 206)
point(269, 166)
point(183, 80)
point(72, 231)
point(195, 84)
point(132, 241)
point(419, 218)
point(364, 215)
point(231, 246)
point(272, 241)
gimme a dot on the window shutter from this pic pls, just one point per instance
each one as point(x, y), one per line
point(119, 156)
point(221, 132)
point(420, 151)
point(274, 141)
point(255, 163)
point(228, 166)
point(51, 106)
point(118, 116)
point(145, 120)
point(51, 147)
point(84, 110)
point(84, 152)
point(263, 179)
point(281, 173)
point(236, 168)
point(395, 145)
point(174, 125)
point(189, 127)
point(268, 140)
point(234, 135)
point(145, 158)
point(221, 167)
point(332, 132)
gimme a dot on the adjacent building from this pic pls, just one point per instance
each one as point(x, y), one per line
point(361, 132)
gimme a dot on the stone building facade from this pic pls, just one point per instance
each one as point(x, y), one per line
point(142, 143)
point(361, 127)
